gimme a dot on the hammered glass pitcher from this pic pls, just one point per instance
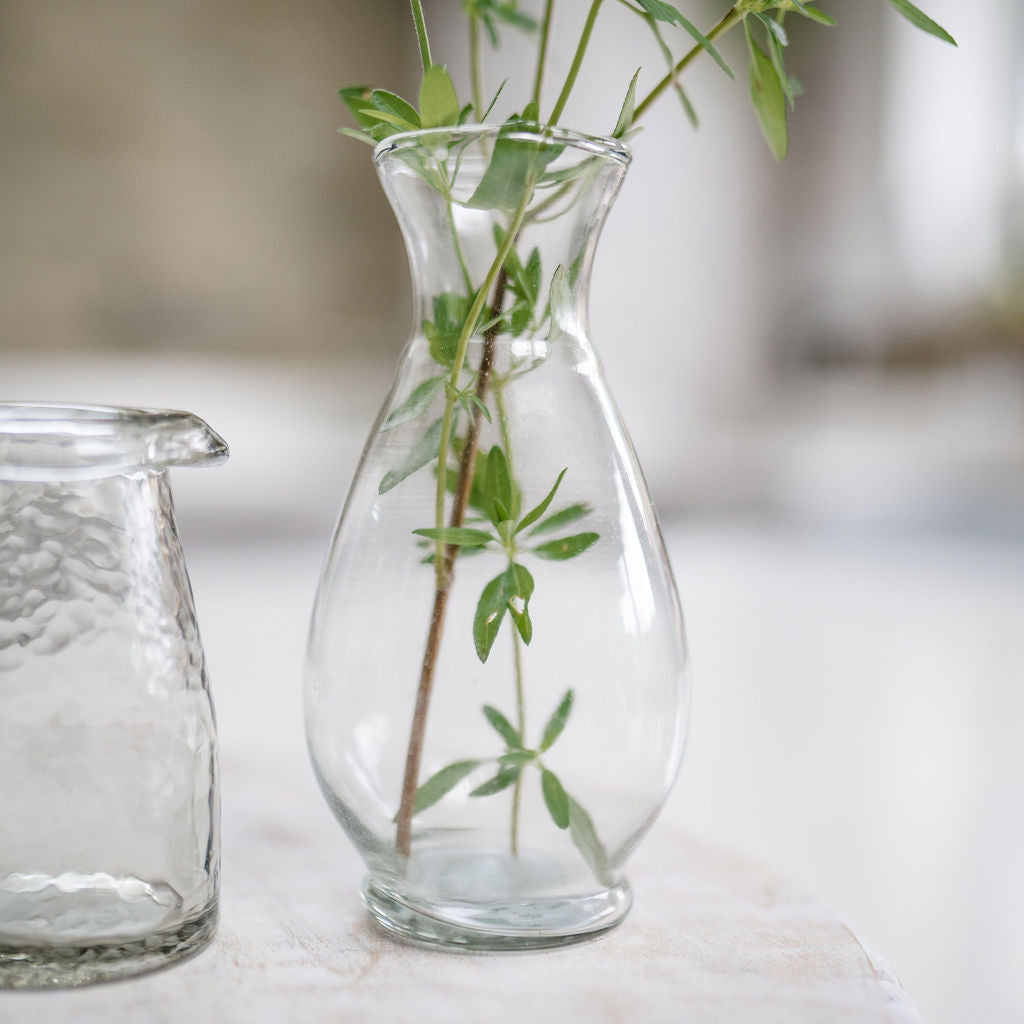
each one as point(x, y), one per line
point(109, 847)
point(496, 685)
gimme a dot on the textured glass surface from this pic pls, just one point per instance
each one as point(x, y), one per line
point(108, 788)
point(493, 868)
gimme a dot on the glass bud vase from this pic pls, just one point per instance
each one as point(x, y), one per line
point(496, 685)
point(109, 848)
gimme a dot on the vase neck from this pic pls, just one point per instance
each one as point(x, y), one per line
point(517, 213)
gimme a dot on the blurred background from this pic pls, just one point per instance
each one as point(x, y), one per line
point(821, 364)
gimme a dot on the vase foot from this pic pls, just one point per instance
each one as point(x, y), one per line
point(499, 924)
point(35, 967)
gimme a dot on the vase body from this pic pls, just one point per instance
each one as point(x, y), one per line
point(108, 779)
point(496, 703)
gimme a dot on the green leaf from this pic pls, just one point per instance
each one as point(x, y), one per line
point(476, 490)
point(524, 282)
point(706, 45)
point(531, 112)
point(503, 727)
point(513, 265)
point(556, 723)
point(584, 835)
point(517, 757)
point(531, 276)
point(490, 106)
point(506, 777)
point(441, 783)
point(555, 797)
point(535, 513)
point(566, 548)
point(660, 11)
point(490, 610)
point(775, 28)
point(352, 133)
point(438, 103)
point(670, 60)
point(450, 312)
point(392, 105)
point(561, 518)
point(475, 402)
point(492, 31)
point(560, 299)
point(815, 15)
point(425, 451)
point(515, 166)
point(356, 98)
point(523, 623)
point(768, 97)
point(457, 535)
point(499, 513)
point(416, 404)
point(688, 108)
point(519, 319)
point(392, 119)
point(506, 530)
point(505, 179)
point(776, 42)
point(498, 487)
point(506, 11)
point(574, 268)
point(917, 17)
point(496, 599)
point(628, 109)
point(521, 581)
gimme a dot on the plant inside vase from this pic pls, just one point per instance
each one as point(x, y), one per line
point(481, 508)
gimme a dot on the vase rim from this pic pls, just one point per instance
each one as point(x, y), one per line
point(598, 145)
point(51, 441)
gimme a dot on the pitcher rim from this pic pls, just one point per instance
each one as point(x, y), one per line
point(526, 131)
point(53, 440)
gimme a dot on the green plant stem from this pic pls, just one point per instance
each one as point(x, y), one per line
point(421, 33)
point(453, 381)
point(517, 653)
point(577, 62)
point(467, 462)
point(517, 656)
point(464, 483)
point(475, 73)
point(731, 20)
point(542, 50)
point(444, 555)
point(457, 244)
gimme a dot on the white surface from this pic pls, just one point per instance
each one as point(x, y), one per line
point(858, 719)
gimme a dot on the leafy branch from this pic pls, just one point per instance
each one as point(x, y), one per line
point(508, 768)
point(772, 89)
point(507, 301)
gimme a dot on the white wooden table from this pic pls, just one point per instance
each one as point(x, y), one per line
point(712, 936)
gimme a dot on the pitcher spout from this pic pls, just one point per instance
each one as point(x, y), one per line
point(40, 441)
point(183, 439)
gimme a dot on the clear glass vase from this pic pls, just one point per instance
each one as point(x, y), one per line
point(109, 847)
point(496, 685)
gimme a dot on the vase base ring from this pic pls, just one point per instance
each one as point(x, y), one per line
point(47, 967)
point(500, 924)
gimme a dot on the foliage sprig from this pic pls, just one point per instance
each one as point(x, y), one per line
point(478, 506)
